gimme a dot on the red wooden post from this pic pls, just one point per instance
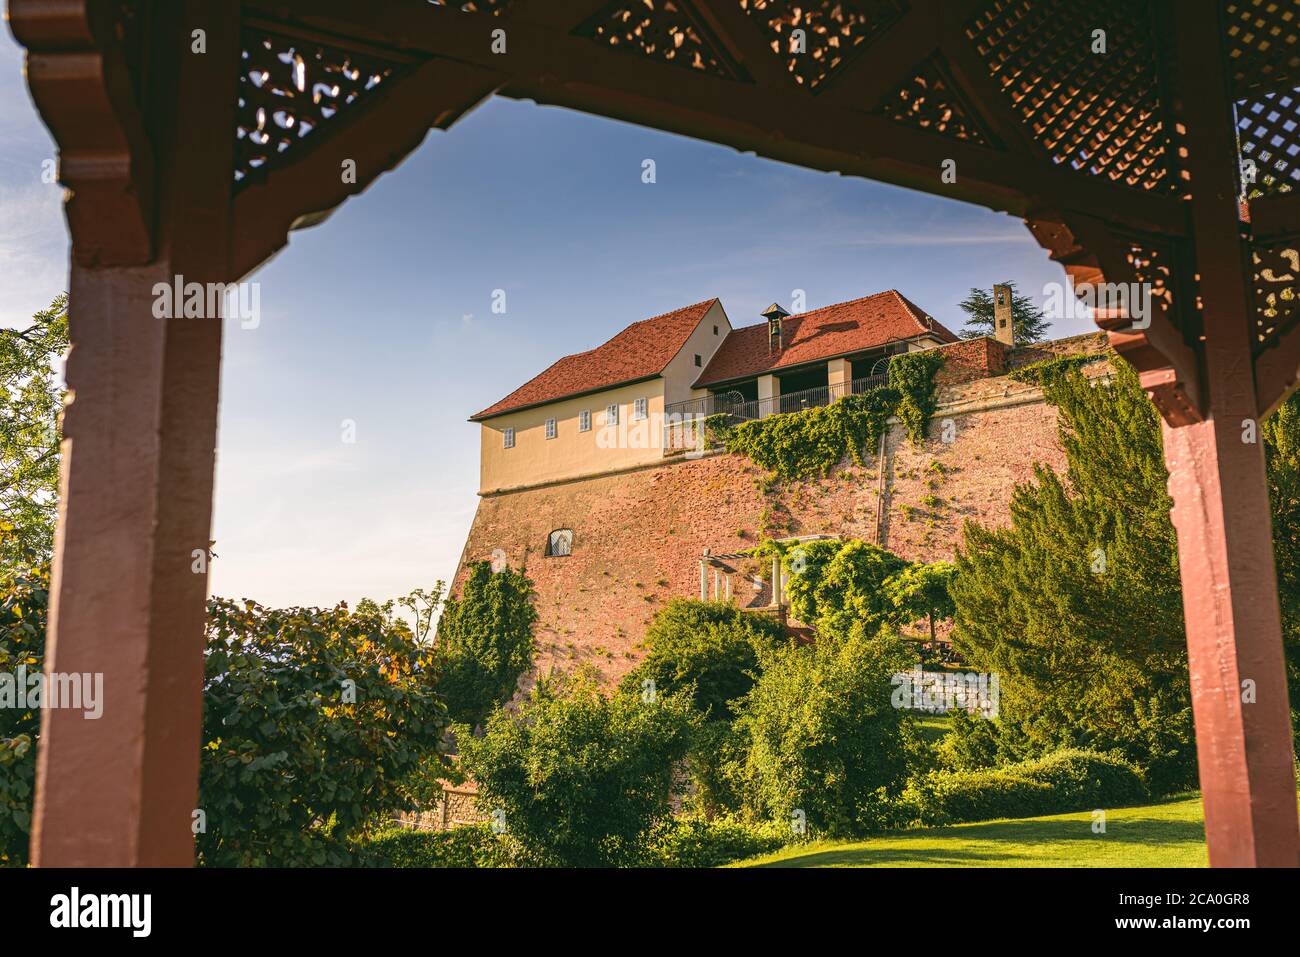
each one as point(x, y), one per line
point(136, 488)
point(1221, 510)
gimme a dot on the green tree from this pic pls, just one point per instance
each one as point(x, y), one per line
point(921, 591)
point(315, 723)
point(708, 647)
point(825, 745)
point(579, 778)
point(1030, 323)
point(485, 641)
point(24, 602)
point(1077, 603)
point(1281, 433)
point(837, 585)
point(30, 402)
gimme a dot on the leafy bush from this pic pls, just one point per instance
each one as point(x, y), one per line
point(472, 845)
point(695, 842)
point(485, 641)
point(823, 736)
point(24, 599)
point(315, 721)
point(709, 647)
point(582, 778)
point(1068, 780)
point(972, 743)
point(810, 443)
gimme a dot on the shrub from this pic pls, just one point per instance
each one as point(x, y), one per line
point(582, 778)
point(485, 641)
point(708, 647)
point(1069, 780)
point(314, 722)
point(695, 842)
point(823, 737)
point(24, 598)
point(472, 845)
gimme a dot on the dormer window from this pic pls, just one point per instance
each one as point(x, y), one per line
point(509, 435)
point(698, 361)
point(550, 428)
point(640, 410)
point(559, 544)
point(715, 330)
point(611, 415)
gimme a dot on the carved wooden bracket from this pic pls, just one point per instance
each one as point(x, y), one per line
point(79, 78)
point(1091, 254)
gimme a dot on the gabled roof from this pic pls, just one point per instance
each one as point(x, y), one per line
point(838, 330)
point(640, 351)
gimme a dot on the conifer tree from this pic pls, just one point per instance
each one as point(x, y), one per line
point(1030, 323)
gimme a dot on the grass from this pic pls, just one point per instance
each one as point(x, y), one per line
point(1170, 833)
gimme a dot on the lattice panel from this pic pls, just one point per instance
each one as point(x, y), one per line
point(1276, 291)
point(1268, 136)
point(1099, 113)
point(661, 30)
point(474, 6)
point(931, 101)
point(1263, 42)
point(830, 31)
point(289, 88)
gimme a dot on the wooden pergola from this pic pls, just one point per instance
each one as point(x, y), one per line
point(195, 136)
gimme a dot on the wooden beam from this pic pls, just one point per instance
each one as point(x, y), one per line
point(790, 125)
point(375, 136)
point(1277, 371)
point(1275, 218)
point(79, 80)
point(1221, 505)
point(135, 501)
point(742, 37)
point(889, 61)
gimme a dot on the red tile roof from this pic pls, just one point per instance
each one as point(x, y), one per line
point(821, 334)
point(640, 351)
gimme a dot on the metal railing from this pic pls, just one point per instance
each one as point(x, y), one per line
point(690, 426)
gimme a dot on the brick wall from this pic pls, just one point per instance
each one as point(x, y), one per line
point(638, 536)
point(971, 359)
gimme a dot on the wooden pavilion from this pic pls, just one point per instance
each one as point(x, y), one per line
point(1142, 141)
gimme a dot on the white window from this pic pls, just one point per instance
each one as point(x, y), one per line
point(640, 409)
point(510, 438)
point(611, 415)
point(584, 421)
point(550, 428)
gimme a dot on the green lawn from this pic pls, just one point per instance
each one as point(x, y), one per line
point(1168, 834)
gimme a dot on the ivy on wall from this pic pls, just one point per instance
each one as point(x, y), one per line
point(1039, 373)
point(911, 375)
point(808, 444)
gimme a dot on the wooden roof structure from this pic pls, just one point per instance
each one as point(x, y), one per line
point(195, 135)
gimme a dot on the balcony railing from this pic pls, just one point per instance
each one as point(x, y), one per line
point(688, 424)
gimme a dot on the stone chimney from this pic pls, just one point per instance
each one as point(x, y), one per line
point(774, 314)
point(1004, 326)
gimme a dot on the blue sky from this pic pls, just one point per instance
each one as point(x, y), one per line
point(383, 315)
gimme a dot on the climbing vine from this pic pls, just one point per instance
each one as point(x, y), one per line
point(808, 444)
point(911, 375)
point(1039, 373)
